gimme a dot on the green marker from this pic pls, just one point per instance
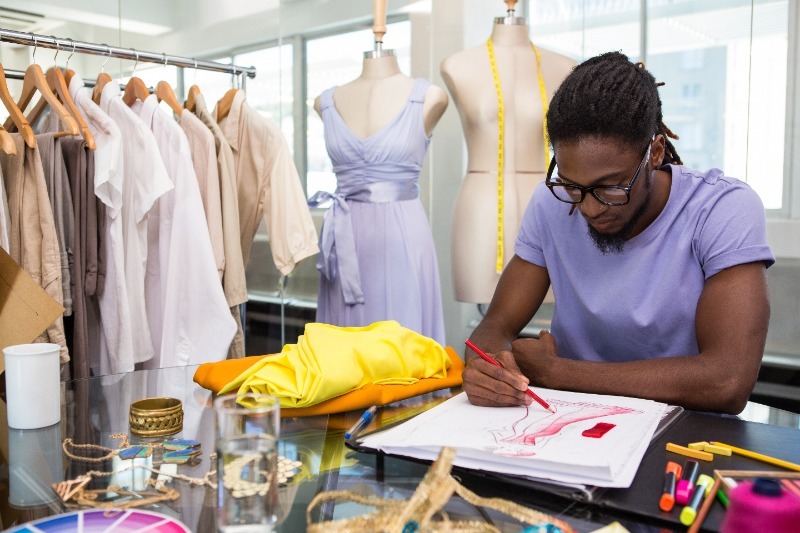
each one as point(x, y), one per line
point(702, 489)
point(723, 498)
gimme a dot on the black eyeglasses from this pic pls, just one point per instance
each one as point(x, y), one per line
point(613, 195)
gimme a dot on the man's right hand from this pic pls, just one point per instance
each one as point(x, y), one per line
point(492, 386)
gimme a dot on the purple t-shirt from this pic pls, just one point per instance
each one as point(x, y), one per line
point(641, 303)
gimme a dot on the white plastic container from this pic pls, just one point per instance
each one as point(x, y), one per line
point(33, 385)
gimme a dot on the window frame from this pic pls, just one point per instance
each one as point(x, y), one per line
point(784, 223)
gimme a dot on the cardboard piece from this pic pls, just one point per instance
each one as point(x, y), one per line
point(26, 310)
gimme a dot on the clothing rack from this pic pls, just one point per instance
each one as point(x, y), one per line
point(70, 46)
point(20, 75)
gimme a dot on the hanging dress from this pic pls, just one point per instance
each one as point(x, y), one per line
point(378, 260)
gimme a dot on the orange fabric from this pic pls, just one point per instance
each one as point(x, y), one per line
point(214, 376)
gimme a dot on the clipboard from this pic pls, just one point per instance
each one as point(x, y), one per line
point(571, 491)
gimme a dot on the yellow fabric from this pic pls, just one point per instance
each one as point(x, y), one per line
point(329, 361)
point(214, 376)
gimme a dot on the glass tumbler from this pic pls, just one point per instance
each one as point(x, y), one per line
point(248, 428)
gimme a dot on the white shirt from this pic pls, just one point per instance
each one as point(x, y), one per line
point(115, 317)
point(196, 324)
point(145, 181)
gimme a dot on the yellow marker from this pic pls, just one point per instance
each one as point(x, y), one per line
point(695, 454)
point(701, 490)
point(719, 450)
point(698, 446)
point(760, 457)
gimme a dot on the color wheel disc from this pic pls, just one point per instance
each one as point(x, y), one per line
point(104, 520)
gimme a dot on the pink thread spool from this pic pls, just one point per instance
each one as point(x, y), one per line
point(762, 505)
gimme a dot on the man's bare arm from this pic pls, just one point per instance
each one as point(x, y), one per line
point(731, 326)
point(519, 293)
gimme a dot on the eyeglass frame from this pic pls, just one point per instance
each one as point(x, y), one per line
point(627, 188)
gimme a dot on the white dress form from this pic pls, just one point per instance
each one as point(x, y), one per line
point(468, 76)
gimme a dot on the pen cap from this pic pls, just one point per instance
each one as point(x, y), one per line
point(762, 505)
point(690, 472)
point(675, 468)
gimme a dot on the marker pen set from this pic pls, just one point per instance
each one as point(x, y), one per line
point(687, 487)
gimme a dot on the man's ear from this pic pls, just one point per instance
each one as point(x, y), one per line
point(658, 150)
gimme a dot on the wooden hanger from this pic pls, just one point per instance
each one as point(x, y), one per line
point(224, 105)
point(15, 115)
point(7, 144)
point(34, 80)
point(164, 93)
point(191, 103)
point(102, 80)
point(135, 89)
point(58, 84)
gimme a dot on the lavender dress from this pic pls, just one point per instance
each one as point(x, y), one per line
point(378, 260)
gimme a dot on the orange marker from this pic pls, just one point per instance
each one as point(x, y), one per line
point(671, 477)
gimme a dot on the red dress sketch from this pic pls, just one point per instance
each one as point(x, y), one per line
point(525, 435)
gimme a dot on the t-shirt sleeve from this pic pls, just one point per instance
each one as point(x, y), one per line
point(734, 232)
point(528, 245)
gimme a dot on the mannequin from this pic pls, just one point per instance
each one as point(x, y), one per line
point(378, 260)
point(369, 102)
point(469, 79)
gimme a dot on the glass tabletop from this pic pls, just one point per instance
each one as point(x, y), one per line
point(95, 412)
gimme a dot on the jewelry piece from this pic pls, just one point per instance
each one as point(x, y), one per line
point(74, 489)
point(109, 453)
point(180, 456)
point(88, 498)
point(178, 448)
point(156, 417)
point(287, 469)
point(67, 489)
point(501, 142)
point(233, 473)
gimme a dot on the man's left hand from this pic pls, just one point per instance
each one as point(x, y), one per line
point(537, 358)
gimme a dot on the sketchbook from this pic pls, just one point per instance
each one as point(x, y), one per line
point(591, 440)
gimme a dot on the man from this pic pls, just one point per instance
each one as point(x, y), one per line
point(659, 282)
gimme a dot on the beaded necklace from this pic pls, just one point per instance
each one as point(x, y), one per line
point(501, 141)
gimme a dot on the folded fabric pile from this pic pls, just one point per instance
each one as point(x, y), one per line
point(335, 369)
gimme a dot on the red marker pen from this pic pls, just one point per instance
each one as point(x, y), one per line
point(671, 477)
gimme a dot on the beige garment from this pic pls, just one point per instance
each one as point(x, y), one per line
point(33, 241)
point(233, 280)
point(5, 222)
point(58, 187)
point(268, 186)
point(204, 160)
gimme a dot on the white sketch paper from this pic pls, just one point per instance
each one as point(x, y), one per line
point(532, 442)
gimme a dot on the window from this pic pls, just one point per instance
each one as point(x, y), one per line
point(213, 85)
point(335, 60)
point(724, 65)
point(270, 92)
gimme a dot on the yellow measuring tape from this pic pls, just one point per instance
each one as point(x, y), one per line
point(501, 142)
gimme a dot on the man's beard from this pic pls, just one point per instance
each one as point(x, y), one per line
point(614, 243)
